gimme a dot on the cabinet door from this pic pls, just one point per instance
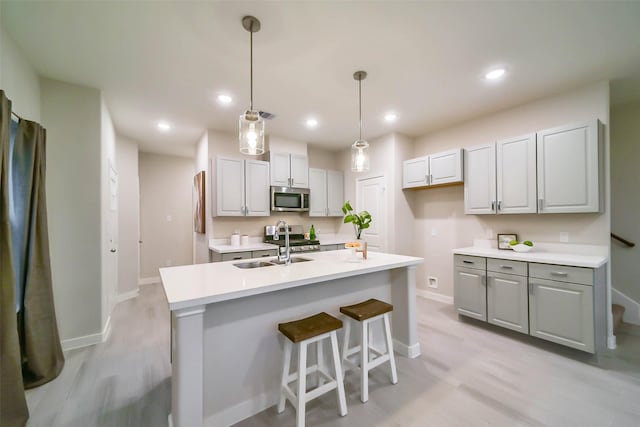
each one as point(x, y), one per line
point(257, 188)
point(335, 193)
point(445, 167)
point(480, 179)
point(562, 312)
point(324, 248)
point(516, 175)
point(299, 171)
point(507, 301)
point(470, 294)
point(415, 172)
point(279, 169)
point(569, 168)
point(229, 186)
point(317, 192)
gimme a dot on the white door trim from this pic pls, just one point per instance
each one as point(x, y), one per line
point(382, 226)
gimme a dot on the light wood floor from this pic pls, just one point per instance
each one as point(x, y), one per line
point(468, 375)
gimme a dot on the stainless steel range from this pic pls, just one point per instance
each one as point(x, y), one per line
point(297, 242)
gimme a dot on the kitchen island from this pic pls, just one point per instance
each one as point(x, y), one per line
point(226, 350)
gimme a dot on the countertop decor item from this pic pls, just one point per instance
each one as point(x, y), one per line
point(525, 246)
point(360, 221)
point(504, 240)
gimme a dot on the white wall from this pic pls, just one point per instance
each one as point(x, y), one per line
point(166, 222)
point(200, 240)
point(625, 198)
point(442, 209)
point(72, 115)
point(18, 79)
point(128, 216)
point(226, 144)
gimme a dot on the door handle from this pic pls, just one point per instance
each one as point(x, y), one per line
point(430, 179)
point(112, 251)
point(493, 206)
point(506, 266)
point(499, 205)
point(467, 261)
point(559, 273)
point(539, 205)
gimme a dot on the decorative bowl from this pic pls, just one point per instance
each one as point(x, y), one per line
point(520, 247)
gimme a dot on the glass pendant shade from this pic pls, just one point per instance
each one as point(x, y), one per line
point(251, 135)
point(360, 156)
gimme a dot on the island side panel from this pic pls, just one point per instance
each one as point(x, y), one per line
point(243, 349)
point(404, 320)
point(187, 368)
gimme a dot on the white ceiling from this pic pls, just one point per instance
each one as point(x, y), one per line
point(425, 60)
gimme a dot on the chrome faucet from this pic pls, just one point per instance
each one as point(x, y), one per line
point(286, 256)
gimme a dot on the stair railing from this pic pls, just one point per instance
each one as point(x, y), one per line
point(622, 240)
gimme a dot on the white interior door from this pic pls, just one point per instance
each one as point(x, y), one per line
point(371, 196)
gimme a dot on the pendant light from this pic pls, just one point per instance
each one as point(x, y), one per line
point(251, 125)
point(360, 148)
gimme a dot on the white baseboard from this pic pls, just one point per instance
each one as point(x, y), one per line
point(87, 340)
point(434, 296)
point(239, 412)
point(631, 307)
point(411, 351)
point(148, 280)
point(127, 295)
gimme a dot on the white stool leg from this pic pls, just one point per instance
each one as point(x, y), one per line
point(288, 347)
point(302, 384)
point(392, 359)
point(345, 344)
point(342, 401)
point(364, 363)
point(320, 357)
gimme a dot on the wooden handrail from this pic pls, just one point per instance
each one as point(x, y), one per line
point(622, 240)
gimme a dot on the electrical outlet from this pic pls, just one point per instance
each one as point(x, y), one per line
point(432, 282)
point(564, 237)
point(434, 231)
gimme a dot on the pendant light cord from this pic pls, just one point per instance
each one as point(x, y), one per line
point(251, 68)
point(360, 106)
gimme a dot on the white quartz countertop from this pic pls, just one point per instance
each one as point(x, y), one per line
point(559, 258)
point(224, 248)
point(200, 284)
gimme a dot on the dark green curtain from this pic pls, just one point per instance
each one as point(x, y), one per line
point(13, 406)
point(31, 351)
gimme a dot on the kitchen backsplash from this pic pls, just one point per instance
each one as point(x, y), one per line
point(223, 227)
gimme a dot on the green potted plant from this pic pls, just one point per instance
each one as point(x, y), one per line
point(360, 221)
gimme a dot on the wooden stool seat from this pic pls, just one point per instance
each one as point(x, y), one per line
point(302, 333)
point(367, 309)
point(309, 327)
point(366, 313)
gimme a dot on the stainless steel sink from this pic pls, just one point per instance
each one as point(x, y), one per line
point(253, 264)
point(293, 260)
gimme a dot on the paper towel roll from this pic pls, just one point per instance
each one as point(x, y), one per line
point(235, 240)
point(244, 240)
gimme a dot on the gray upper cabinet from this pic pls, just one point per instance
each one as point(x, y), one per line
point(289, 170)
point(434, 169)
point(501, 177)
point(569, 168)
point(326, 192)
point(480, 179)
point(469, 287)
point(242, 187)
point(516, 175)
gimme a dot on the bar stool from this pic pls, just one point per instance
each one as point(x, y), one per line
point(366, 313)
point(314, 329)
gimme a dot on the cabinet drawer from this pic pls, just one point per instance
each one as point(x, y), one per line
point(236, 255)
point(264, 253)
point(562, 273)
point(506, 266)
point(467, 261)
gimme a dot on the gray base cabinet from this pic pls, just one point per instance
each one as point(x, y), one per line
point(469, 286)
point(232, 256)
point(557, 303)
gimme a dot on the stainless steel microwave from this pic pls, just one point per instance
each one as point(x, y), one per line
point(289, 199)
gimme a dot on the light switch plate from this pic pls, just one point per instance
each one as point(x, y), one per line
point(432, 282)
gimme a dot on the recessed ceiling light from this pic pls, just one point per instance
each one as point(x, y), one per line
point(390, 117)
point(495, 74)
point(164, 126)
point(311, 123)
point(224, 99)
